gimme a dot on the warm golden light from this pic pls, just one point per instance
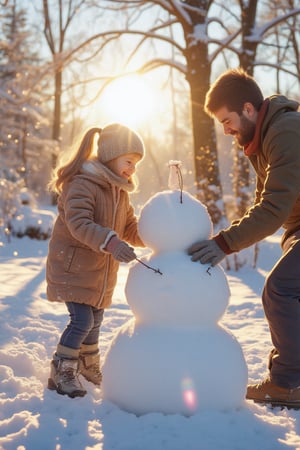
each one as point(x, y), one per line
point(129, 100)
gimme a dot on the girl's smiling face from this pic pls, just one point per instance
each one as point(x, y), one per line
point(125, 165)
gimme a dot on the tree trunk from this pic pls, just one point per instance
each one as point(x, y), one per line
point(56, 126)
point(207, 176)
point(241, 179)
point(57, 112)
point(249, 45)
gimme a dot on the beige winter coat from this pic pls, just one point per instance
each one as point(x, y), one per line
point(93, 205)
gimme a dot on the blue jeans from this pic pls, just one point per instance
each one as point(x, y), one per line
point(84, 325)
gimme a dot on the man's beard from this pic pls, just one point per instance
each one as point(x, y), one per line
point(246, 131)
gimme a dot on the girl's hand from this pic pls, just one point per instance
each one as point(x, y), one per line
point(120, 250)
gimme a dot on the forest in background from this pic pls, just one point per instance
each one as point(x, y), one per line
point(60, 59)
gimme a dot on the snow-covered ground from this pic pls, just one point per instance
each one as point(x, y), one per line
point(32, 417)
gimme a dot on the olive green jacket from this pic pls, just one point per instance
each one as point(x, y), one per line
point(276, 161)
point(93, 206)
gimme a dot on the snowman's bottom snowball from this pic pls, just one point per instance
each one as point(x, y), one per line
point(151, 369)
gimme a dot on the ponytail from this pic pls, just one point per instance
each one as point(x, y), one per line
point(67, 169)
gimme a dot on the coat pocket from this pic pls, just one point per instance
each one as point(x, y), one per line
point(80, 259)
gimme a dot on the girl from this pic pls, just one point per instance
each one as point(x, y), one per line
point(95, 218)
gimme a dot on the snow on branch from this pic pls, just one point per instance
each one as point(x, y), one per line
point(109, 36)
point(258, 32)
point(158, 62)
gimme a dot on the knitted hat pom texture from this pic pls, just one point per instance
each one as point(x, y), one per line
point(116, 140)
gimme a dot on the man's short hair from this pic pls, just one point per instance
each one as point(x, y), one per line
point(232, 90)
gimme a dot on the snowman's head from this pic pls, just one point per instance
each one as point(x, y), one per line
point(172, 221)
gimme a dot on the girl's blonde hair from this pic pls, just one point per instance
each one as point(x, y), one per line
point(65, 170)
point(114, 140)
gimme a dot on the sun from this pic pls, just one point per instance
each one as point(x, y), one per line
point(129, 100)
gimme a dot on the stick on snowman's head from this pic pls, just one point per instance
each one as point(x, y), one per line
point(175, 181)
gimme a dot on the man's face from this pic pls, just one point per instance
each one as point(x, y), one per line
point(241, 127)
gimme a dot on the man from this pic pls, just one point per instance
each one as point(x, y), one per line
point(269, 132)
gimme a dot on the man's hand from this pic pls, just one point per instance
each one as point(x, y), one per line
point(207, 252)
point(120, 250)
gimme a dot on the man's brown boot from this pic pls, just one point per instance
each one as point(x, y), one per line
point(268, 392)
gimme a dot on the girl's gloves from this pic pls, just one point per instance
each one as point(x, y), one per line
point(120, 250)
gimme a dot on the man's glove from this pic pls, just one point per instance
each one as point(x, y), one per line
point(207, 252)
point(120, 250)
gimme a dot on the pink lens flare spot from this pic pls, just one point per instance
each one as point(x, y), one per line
point(188, 393)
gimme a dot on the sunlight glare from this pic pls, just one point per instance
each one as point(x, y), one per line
point(129, 100)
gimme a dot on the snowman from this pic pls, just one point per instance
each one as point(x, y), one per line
point(174, 356)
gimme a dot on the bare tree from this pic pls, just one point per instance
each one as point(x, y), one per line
point(192, 60)
point(55, 31)
point(267, 38)
point(24, 125)
point(192, 20)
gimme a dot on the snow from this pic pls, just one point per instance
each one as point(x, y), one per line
point(28, 219)
point(176, 315)
point(175, 299)
point(32, 417)
point(166, 227)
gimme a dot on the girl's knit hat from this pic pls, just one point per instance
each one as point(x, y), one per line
point(116, 140)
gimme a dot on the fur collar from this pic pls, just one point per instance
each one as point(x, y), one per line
point(94, 167)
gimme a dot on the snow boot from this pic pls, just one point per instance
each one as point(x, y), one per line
point(89, 363)
point(64, 373)
point(268, 392)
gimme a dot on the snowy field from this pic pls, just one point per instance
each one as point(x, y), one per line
point(32, 417)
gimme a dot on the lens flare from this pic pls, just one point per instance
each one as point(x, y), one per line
point(189, 394)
